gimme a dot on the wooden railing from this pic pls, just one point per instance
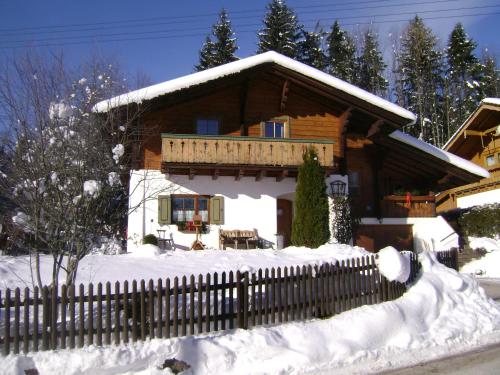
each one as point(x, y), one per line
point(418, 206)
point(226, 150)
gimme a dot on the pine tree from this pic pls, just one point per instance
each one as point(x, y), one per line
point(463, 77)
point(419, 78)
point(490, 79)
point(222, 50)
point(281, 31)
point(341, 57)
point(372, 66)
point(310, 49)
point(310, 226)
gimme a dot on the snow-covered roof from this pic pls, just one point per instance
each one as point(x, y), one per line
point(440, 154)
point(491, 101)
point(147, 93)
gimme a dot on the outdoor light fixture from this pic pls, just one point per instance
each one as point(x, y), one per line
point(338, 188)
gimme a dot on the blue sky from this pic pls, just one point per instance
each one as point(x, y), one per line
point(162, 38)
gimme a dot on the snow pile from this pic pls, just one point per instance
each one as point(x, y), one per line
point(22, 220)
point(393, 265)
point(147, 250)
point(443, 313)
point(488, 265)
point(91, 188)
point(59, 111)
point(118, 152)
point(113, 179)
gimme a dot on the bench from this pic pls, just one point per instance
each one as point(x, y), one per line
point(234, 238)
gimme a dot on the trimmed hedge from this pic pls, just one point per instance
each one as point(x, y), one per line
point(482, 221)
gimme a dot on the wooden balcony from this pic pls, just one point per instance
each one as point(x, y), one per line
point(239, 156)
point(419, 206)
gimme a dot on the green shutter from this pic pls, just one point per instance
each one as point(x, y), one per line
point(164, 209)
point(217, 210)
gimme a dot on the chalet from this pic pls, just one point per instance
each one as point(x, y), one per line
point(226, 144)
point(477, 140)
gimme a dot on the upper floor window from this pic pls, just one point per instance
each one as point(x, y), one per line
point(207, 126)
point(490, 160)
point(274, 129)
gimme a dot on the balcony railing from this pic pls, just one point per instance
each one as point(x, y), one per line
point(414, 206)
point(227, 150)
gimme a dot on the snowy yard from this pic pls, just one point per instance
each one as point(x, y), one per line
point(442, 313)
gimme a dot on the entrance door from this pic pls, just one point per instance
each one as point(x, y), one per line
point(284, 208)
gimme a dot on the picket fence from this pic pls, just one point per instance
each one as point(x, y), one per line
point(46, 318)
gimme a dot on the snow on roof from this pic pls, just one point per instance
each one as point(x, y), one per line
point(147, 93)
point(492, 101)
point(440, 154)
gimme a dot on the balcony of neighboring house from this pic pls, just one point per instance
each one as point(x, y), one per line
point(239, 156)
point(408, 205)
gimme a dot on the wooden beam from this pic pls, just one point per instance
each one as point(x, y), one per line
point(374, 128)
point(215, 175)
point(239, 174)
point(261, 173)
point(191, 173)
point(284, 96)
point(282, 175)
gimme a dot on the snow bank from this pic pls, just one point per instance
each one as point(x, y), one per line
point(147, 251)
point(394, 265)
point(443, 313)
point(489, 264)
point(488, 244)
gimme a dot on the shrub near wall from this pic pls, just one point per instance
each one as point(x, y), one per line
point(482, 221)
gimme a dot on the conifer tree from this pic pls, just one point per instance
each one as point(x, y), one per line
point(222, 49)
point(490, 79)
point(310, 49)
point(419, 78)
point(372, 66)
point(310, 226)
point(281, 31)
point(341, 58)
point(463, 77)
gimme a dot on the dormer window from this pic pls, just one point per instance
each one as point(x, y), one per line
point(205, 126)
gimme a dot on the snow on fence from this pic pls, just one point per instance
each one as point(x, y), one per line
point(76, 317)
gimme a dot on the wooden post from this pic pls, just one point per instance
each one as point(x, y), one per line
point(6, 347)
point(72, 324)
point(159, 311)
point(17, 303)
point(117, 314)
point(134, 310)
point(151, 309)
point(184, 305)
point(310, 290)
point(207, 303)
point(245, 300)
point(176, 307)
point(273, 295)
point(191, 304)
point(108, 314)
point(125, 312)
point(266, 296)
point(254, 300)
point(199, 320)
point(143, 310)
point(260, 299)
point(223, 301)
point(26, 326)
point(304, 292)
point(90, 324)
point(81, 316)
point(239, 302)
point(292, 288)
point(64, 295)
point(36, 303)
point(167, 308)
point(279, 297)
point(45, 318)
point(99, 314)
point(216, 303)
point(231, 300)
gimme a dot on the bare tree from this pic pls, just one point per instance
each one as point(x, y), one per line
point(66, 167)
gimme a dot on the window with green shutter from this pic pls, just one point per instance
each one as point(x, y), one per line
point(217, 210)
point(164, 209)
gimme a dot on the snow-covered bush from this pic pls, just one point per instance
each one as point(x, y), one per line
point(482, 221)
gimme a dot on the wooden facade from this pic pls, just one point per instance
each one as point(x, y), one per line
point(478, 140)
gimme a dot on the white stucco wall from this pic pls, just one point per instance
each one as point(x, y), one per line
point(248, 204)
point(492, 196)
point(429, 233)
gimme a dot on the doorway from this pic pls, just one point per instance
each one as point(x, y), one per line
point(284, 212)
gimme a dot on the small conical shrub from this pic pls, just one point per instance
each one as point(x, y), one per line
point(310, 225)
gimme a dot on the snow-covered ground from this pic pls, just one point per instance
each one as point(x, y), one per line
point(489, 264)
point(144, 264)
point(442, 313)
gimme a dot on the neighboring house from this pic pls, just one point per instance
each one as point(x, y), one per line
point(226, 144)
point(477, 140)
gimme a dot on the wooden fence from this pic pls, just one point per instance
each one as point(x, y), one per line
point(449, 258)
point(74, 317)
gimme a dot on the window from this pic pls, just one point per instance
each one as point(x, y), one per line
point(274, 129)
point(207, 126)
point(353, 183)
point(184, 207)
point(490, 160)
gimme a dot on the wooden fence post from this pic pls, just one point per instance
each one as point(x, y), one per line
point(26, 326)
point(6, 347)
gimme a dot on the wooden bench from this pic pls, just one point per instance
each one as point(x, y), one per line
point(235, 238)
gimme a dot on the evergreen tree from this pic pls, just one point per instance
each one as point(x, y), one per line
point(310, 226)
point(221, 51)
point(341, 59)
point(372, 66)
point(419, 78)
point(281, 31)
point(310, 49)
point(463, 77)
point(490, 79)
